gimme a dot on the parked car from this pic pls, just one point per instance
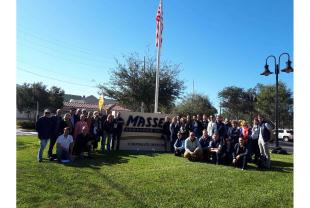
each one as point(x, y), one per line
point(285, 134)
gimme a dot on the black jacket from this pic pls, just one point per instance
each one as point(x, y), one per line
point(44, 127)
point(166, 129)
point(200, 128)
point(185, 130)
point(236, 150)
point(108, 127)
point(93, 124)
point(63, 125)
point(103, 119)
point(231, 149)
point(174, 128)
point(205, 124)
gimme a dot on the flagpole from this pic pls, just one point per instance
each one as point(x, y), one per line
point(158, 60)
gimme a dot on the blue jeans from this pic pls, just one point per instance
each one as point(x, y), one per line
point(52, 143)
point(63, 154)
point(117, 136)
point(242, 162)
point(166, 139)
point(216, 157)
point(43, 144)
point(104, 139)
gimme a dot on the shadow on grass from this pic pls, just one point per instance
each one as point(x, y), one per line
point(100, 159)
point(21, 145)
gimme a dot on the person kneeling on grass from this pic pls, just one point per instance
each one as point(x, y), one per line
point(83, 143)
point(64, 144)
point(179, 145)
point(241, 153)
point(227, 152)
point(193, 147)
point(205, 142)
point(216, 147)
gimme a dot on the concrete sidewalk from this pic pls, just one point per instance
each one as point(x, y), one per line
point(20, 132)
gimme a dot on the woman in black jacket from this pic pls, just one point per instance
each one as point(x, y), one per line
point(107, 132)
point(174, 128)
point(66, 122)
point(184, 128)
point(166, 131)
point(95, 131)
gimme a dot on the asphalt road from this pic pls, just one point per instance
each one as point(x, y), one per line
point(288, 146)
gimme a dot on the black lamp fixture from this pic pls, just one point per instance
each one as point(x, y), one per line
point(266, 72)
point(287, 69)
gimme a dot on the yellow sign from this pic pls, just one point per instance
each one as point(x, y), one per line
point(101, 102)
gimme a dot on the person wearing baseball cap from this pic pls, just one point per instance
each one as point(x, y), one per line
point(44, 129)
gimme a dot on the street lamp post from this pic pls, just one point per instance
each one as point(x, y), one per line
point(287, 69)
point(251, 99)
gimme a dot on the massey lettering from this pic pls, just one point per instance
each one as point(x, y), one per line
point(161, 121)
point(155, 122)
point(132, 120)
point(139, 121)
point(148, 122)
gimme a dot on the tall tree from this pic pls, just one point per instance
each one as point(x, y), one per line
point(267, 99)
point(28, 94)
point(130, 84)
point(56, 98)
point(233, 100)
point(193, 104)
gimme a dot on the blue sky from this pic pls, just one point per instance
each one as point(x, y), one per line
point(219, 43)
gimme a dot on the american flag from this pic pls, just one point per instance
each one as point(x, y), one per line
point(159, 17)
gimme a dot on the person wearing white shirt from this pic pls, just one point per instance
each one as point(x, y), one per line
point(210, 125)
point(255, 140)
point(265, 134)
point(65, 146)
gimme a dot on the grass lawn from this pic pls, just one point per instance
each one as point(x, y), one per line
point(126, 179)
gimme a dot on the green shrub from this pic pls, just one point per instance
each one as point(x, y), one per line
point(25, 124)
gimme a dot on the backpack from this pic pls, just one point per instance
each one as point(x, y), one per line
point(262, 161)
point(278, 150)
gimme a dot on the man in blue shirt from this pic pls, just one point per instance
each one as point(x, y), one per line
point(179, 145)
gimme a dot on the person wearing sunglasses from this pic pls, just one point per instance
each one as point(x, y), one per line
point(44, 129)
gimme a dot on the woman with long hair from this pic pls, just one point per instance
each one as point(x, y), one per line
point(66, 122)
point(184, 128)
point(166, 131)
point(174, 129)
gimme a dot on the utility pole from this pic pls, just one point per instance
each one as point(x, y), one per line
point(142, 106)
point(37, 111)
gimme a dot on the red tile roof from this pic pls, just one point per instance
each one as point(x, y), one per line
point(95, 106)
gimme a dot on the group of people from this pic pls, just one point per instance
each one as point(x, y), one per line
point(224, 142)
point(77, 132)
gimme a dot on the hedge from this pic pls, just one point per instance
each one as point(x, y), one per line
point(25, 124)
